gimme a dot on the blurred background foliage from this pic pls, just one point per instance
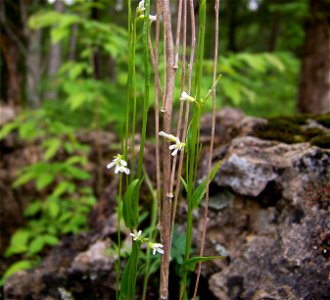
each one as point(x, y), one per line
point(64, 67)
point(260, 51)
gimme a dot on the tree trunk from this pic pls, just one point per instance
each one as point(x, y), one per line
point(32, 58)
point(314, 90)
point(233, 23)
point(54, 58)
point(11, 47)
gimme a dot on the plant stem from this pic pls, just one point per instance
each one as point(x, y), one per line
point(194, 146)
point(186, 118)
point(119, 215)
point(153, 231)
point(134, 101)
point(166, 207)
point(216, 46)
point(146, 85)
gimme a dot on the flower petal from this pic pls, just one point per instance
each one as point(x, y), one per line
point(110, 165)
point(123, 163)
point(175, 152)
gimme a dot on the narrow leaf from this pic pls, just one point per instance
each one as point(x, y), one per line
point(200, 191)
point(129, 214)
point(17, 266)
point(190, 264)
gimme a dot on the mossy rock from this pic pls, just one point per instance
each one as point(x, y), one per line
point(321, 141)
point(282, 130)
point(324, 120)
point(289, 130)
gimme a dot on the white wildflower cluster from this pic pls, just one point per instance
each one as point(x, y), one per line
point(140, 12)
point(178, 146)
point(119, 164)
point(155, 247)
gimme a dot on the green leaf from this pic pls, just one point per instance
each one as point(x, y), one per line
point(128, 282)
point(184, 184)
point(231, 89)
point(90, 201)
point(44, 180)
point(63, 187)
point(76, 70)
point(190, 263)
point(7, 129)
point(36, 245)
point(40, 242)
point(129, 213)
point(24, 178)
point(201, 189)
point(77, 159)
point(53, 209)
point(18, 242)
point(43, 19)
point(32, 209)
point(275, 61)
point(28, 130)
point(76, 100)
point(52, 147)
point(58, 33)
point(50, 240)
point(17, 266)
point(76, 173)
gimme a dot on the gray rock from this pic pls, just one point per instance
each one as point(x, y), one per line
point(277, 229)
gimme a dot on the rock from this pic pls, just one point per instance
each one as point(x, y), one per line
point(225, 119)
point(251, 164)
point(276, 227)
point(70, 271)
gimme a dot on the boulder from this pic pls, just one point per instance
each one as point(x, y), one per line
point(269, 208)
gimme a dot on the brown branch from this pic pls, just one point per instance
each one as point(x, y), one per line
point(157, 92)
point(166, 207)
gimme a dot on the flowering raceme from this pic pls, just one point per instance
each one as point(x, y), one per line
point(178, 146)
point(155, 247)
point(120, 164)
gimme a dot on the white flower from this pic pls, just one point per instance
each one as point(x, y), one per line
point(178, 146)
point(170, 137)
point(152, 18)
point(156, 247)
point(141, 8)
point(186, 97)
point(136, 234)
point(120, 165)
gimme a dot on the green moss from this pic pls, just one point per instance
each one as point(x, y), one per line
point(310, 133)
point(299, 119)
point(282, 130)
point(288, 129)
point(321, 141)
point(324, 120)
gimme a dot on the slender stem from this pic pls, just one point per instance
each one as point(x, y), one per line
point(166, 207)
point(183, 77)
point(157, 94)
point(119, 216)
point(153, 231)
point(209, 164)
point(146, 85)
point(155, 67)
point(194, 145)
point(129, 79)
point(134, 101)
